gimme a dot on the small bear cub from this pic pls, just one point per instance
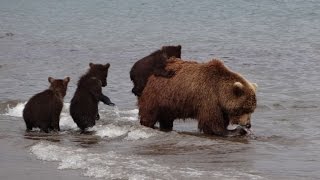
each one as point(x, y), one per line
point(43, 109)
point(84, 104)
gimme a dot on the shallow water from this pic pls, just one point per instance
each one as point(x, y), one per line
point(273, 43)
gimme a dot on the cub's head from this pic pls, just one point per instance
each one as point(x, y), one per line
point(59, 86)
point(99, 71)
point(172, 51)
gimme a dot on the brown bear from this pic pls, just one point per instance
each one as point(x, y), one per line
point(84, 104)
point(154, 63)
point(208, 92)
point(43, 109)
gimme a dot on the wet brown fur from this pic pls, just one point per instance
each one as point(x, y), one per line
point(203, 91)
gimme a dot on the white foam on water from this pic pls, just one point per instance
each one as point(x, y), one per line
point(67, 123)
point(15, 111)
point(129, 112)
point(129, 132)
point(113, 165)
point(141, 133)
point(110, 130)
point(131, 115)
point(49, 152)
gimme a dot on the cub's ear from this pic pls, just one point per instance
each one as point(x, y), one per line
point(91, 65)
point(107, 65)
point(66, 80)
point(238, 89)
point(50, 79)
point(179, 46)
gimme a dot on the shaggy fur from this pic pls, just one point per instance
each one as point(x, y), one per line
point(154, 63)
point(84, 104)
point(43, 109)
point(208, 92)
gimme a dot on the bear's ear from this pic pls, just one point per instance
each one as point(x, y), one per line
point(179, 46)
point(107, 65)
point(91, 65)
point(50, 79)
point(238, 88)
point(66, 80)
point(255, 86)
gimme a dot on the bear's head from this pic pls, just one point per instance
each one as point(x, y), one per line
point(172, 51)
point(236, 95)
point(59, 86)
point(239, 102)
point(99, 71)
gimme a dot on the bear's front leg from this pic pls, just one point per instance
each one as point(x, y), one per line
point(106, 100)
point(55, 119)
point(211, 121)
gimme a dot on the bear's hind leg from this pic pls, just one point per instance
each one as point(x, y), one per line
point(45, 129)
point(166, 122)
point(29, 125)
point(166, 125)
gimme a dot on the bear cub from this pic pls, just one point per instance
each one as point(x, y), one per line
point(155, 64)
point(43, 109)
point(84, 104)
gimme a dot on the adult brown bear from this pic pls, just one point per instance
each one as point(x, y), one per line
point(154, 63)
point(208, 92)
point(84, 104)
point(43, 109)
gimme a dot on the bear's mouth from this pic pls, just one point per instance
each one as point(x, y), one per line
point(231, 127)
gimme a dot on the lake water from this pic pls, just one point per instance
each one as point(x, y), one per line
point(274, 43)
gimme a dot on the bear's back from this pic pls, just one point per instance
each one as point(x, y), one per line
point(146, 64)
point(41, 105)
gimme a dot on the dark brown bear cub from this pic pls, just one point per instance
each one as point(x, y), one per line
point(43, 109)
point(84, 104)
point(154, 63)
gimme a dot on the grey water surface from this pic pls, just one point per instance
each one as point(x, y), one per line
point(274, 43)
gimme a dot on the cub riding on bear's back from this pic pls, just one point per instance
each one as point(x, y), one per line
point(84, 104)
point(155, 64)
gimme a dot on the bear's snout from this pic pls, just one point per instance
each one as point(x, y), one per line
point(248, 126)
point(241, 120)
